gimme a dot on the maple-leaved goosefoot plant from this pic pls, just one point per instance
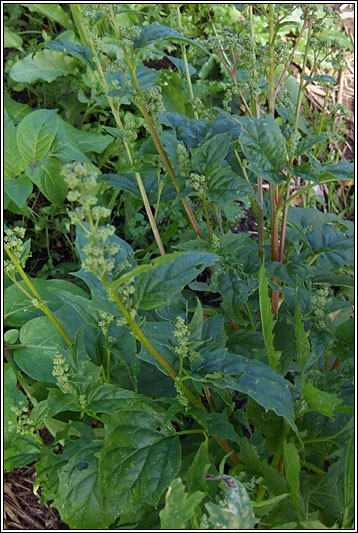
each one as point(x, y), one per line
point(191, 377)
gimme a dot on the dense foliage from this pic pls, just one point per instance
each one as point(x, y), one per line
point(191, 375)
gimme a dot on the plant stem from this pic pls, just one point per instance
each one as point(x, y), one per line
point(207, 218)
point(301, 87)
point(186, 65)
point(44, 308)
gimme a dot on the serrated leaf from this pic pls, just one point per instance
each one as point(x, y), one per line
point(267, 321)
point(264, 147)
point(140, 456)
point(324, 402)
point(79, 498)
point(36, 133)
point(196, 472)
point(45, 65)
point(237, 513)
point(179, 506)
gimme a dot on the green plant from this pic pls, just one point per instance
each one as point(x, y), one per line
point(209, 387)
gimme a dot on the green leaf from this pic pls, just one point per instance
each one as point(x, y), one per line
point(15, 110)
point(18, 189)
point(88, 141)
point(18, 308)
point(273, 479)
point(267, 321)
point(153, 33)
point(108, 398)
point(343, 170)
point(36, 133)
point(79, 498)
point(45, 65)
point(83, 53)
point(52, 12)
point(195, 476)
point(179, 506)
point(48, 178)
point(324, 402)
point(168, 276)
point(264, 147)
point(269, 423)
point(349, 474)
point(140, 456)
point(326, 492)
point(237, 512)
point(308, 142)
point(291, 463)
point(41, 340)
point(13, 164)
point(11, 336)
point(211, 154)
point(11, 39)
point(19, 450)
point(223, 369)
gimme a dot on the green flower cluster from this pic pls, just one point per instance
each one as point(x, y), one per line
point(24, 425)
point(318, 302)
point(181, 333)
point(99, 254)
point(13, 240)
point(197, 182)
point(106, 319)
point(183, 160)
point(152, 99)
point(60, 371)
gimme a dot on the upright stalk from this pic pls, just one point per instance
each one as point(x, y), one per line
point(273, 188)
point(256, 112)
point(186, 64)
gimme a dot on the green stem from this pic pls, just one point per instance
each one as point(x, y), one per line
point(301, 87)
point(186, 65)
point(37, 296)
point(76, 12)
point(312, 467)
point(207, 218)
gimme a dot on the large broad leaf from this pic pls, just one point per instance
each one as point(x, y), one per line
point(261, 382)
point(156, 32)
point(327, 492)
point(211, 154)
point(36, 133)
point(45, 65)
point(168, 276)
point(331, 246)
point(188, 130)
point(83, 53)
point(41, 340)
point(140, 456)
point(236, 512)
point(264, 147)
point(79, 498)
point(18, 189)
point(88, 141)
point(127, 182)
point(225, 186)
point(13, 164)
point(179, 506)
point(48, 178)
point(18, 309)
point(15, 110)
